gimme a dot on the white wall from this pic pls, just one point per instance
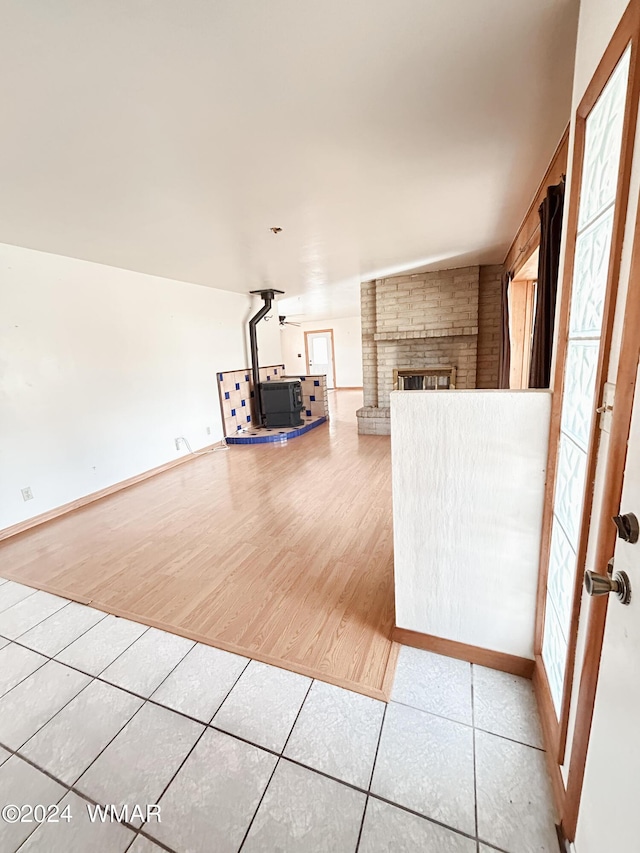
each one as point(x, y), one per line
point(468, 486)
point(347, 342)
point(100, 370)
point(597, 23)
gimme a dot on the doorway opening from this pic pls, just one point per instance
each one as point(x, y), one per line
point(522, 309)
point(320, 353)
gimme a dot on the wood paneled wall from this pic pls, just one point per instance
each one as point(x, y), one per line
point(528, 236)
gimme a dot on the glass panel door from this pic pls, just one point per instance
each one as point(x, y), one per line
point(603, 142)
point(320, 354)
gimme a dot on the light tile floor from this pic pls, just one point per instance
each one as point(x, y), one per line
point(239, 755)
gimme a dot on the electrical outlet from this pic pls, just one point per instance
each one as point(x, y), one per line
point(208, 430)
point(27, 494)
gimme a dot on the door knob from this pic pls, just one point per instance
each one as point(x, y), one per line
point(597, 584)
point(628, 527)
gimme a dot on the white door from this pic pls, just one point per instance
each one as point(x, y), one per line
point(609, 817)
point(320, 353)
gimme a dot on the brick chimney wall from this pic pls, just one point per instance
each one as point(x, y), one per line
point(427, 320)
point(489, 326)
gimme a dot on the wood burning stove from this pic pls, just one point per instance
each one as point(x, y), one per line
point(282, 403)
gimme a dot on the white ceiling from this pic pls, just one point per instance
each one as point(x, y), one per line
point(167, 136)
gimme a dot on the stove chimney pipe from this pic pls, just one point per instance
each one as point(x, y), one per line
point(268, 296)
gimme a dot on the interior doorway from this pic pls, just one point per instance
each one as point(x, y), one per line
point(522, 296)
point(320, 355)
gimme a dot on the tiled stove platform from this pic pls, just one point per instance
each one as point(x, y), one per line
point(268, 436)
point(236, 399)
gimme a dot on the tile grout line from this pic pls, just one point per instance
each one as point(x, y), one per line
point(264, 794)
point(4, 609)
point(55, 714)
point(6, 693)
point(373, 767)
point(107, 745)
point(237, 737)
point(40, 622)
point(75, 696)
point(475, 773)
point(467, 725)
point(375, 757)
point(69, 789)
point(302, 704)
point(279, 756)
point(423, 816)
point(228, 693)
point(78, 792)
point(141, 830)
point(275, 767)
point(86, 631)
point(144, 699)
point(364, 815)
point(144, 633)
point(105, 668)
point(76, 668)
point(493, 847)
point(20, 758)
point(72, 787)
point(202, 733)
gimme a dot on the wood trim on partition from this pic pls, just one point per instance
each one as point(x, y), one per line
point(333, 352)
point(627, 31)
point(528, 234)
point(462, 651)
point(58, 511)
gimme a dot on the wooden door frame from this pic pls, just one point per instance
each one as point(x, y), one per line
point(333, 351)
point(555, 730)
point(520, 329)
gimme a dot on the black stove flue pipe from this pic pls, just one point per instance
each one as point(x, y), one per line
point(268, 296)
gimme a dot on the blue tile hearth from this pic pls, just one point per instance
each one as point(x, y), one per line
point(270, 436)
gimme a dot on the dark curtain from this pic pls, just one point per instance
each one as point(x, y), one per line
point(505, 343)
point(547, 286)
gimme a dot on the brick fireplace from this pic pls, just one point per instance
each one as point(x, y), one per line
point(426, 320)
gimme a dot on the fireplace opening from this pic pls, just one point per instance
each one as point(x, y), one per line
point(424, 379)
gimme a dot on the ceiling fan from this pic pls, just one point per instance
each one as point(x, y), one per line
point(285, 322)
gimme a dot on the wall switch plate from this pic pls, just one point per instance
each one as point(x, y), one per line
point(27, 494)
point(177, 444)
point(208, 430)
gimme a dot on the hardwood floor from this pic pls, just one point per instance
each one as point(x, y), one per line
point(280, 553)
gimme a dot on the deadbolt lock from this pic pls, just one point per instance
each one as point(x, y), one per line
point(628, 527)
